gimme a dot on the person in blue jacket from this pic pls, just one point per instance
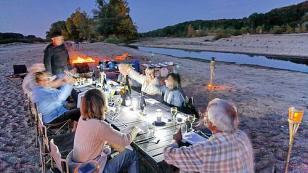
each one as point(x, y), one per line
point(51, 101)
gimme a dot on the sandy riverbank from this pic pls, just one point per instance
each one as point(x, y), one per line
point(262, 96)
point(289, 45)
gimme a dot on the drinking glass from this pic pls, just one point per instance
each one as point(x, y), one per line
point(117, 102)
point(135, 103)
point(174, 111)
point(190, 120)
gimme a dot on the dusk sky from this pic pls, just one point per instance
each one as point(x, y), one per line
point(35, 16)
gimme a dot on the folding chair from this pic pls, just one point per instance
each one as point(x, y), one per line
point(73, 166)
point(56, 158)
point(65, 142)
point(43, 142)
point(55, 126)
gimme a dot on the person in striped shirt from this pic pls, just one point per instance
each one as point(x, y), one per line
point(228, 150)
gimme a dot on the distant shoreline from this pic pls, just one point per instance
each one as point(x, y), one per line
point(278, 56)
point(293, 46)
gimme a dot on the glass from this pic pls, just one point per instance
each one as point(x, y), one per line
point(174, 111)
point(135, 103)
point(117, 103)
point(189, 122)
point(296, 114)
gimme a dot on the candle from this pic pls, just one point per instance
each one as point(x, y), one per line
point(158, 115)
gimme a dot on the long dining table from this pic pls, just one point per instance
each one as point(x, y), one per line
point(150, 143)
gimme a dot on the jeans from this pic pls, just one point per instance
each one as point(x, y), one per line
point(126, 159)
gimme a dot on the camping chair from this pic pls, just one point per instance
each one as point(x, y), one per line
point(189, 107)
point(43, 142)
point(73, 166)
point(54, 128)
point(64, 141)
point(96, 165)
point(56, 158)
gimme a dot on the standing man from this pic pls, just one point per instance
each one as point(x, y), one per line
point(56, 58)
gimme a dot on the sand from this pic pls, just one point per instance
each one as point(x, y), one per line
point(262, 95)
point(289, 45)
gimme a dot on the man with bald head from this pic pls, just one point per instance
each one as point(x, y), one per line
point(228, 150)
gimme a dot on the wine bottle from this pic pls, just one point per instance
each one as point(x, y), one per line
point(142, 102)
point(127, 85)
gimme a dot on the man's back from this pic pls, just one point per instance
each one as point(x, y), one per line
point(222, 153)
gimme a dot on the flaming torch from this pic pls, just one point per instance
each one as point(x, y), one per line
point(212, 72)
point(295, 118)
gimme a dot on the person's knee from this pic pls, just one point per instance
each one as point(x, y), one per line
point(133, 155)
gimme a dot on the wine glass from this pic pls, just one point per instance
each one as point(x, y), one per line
point(117, 103)
point(174, 111)
point(189, 122)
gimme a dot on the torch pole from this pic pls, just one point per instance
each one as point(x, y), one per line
point(293, 129)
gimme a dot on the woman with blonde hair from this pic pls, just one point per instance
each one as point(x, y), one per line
point(93, 134)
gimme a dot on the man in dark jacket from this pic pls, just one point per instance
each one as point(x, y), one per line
point(56, 58)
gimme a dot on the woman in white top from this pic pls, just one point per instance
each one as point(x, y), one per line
point(149, 83)
point(171, 92)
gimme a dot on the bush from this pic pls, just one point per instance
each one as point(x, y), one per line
point(277, 30)
point(113, 39)
point(222, 34)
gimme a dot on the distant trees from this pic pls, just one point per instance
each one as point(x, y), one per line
point(190, 31)
point(289, 19)
point(77, 27)
point(111, 21)
point(16, 37)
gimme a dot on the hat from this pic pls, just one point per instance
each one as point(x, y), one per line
point(38, 67)
point(56, 34)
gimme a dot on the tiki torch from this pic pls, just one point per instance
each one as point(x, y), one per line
point(295, 118)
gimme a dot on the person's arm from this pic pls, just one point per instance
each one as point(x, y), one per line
point(57, 83)
point(153, 88)
point(47, 60)
point(188, 159)
point(115, 137)
point(63, 93)
point(140, 78)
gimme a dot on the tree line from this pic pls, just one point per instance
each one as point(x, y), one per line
point(17, 37)
point(290, 19)
point(111, 22)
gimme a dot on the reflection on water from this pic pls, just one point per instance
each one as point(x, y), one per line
point(292, 64)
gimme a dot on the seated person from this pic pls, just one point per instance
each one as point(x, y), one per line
point(93, 133)
point(227, 150)
point(28, 83)
point(149, 83)
point(50, 101)
point(171, 92)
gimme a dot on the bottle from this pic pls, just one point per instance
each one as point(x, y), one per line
point(93, 77)
point(127, 86)
point(142, 103)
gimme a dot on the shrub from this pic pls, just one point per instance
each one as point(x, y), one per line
point(113, 39)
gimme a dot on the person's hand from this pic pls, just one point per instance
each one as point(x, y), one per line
point(124, 69)
point(74, 70)
point(68, 80)
point(178, 136)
